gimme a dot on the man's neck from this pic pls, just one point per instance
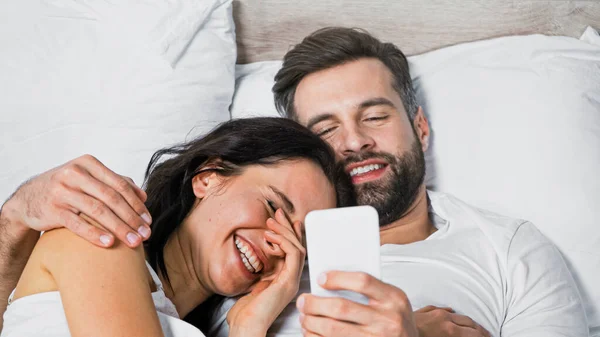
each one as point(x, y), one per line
point(413, 226)
point(185, 289)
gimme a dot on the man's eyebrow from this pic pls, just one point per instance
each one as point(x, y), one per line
point(317, 119)
point(287, 204)
point(375, 102)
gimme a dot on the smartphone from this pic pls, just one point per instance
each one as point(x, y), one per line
point(345, 239)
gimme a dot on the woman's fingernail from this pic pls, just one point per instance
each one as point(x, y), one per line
point(302, 318)
point(146, 217)
point(144, 231)
point(105, 239)
point(132, 238)
point(322, 279)
point(300, 303)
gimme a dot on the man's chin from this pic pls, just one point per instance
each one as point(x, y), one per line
point(372, 193)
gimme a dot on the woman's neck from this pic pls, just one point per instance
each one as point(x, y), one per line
point(185, 289)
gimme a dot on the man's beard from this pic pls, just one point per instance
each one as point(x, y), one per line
point(393, 194)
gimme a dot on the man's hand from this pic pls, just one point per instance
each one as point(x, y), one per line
point(388, 313)
point(444, 322)
point(84, 186)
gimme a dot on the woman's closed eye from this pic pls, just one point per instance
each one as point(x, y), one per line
point(272, 207)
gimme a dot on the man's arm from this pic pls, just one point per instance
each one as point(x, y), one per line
point(84, 185)
point(16, 244)
point(542, 298)
point(57, 198)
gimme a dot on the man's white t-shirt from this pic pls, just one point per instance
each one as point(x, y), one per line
point(501, 272)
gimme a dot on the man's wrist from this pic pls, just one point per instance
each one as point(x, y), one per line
point(11, 223)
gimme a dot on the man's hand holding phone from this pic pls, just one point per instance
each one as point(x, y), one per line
point(347, 297)
point(388, 312)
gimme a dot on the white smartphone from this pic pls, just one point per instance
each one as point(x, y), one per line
point(345, 239)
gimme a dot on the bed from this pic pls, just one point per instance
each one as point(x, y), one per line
point(120, 89)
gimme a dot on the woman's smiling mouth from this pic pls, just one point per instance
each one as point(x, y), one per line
point(248, 255)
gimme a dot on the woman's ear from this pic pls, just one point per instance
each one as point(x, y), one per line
point(204, 182)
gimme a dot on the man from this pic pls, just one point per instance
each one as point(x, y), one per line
point(356, 93)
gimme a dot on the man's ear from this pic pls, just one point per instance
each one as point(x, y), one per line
point(203, 183)
point(421, 127)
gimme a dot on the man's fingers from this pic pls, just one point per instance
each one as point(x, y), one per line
point(324, 326)
point(467, 322)
point(140, 192)
point(433, 307)
point(365, 284)
point(467, 332)
point(336, 308)
point(84, 229)
point(100, 216)
point(113, 200)
point(117, 183)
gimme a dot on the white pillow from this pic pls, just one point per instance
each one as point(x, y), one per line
point(516, 129)
point(76, 80)
point(253, 95)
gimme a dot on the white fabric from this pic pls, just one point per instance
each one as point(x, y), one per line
point(502, 272)
point(253, 96)
point(515, 129)
point(116, 79)
point(42, 315)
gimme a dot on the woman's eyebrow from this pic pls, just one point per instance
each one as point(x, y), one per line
point(287, 204)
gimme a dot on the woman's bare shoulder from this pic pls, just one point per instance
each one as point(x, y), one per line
point(61, 253)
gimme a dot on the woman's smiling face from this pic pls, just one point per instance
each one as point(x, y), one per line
point(226, 227)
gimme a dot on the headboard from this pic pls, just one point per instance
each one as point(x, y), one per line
point(266, 29)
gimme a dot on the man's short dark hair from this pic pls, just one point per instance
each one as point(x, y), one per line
point(334, 46)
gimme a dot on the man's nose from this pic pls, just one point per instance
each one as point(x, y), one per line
point(355, 141)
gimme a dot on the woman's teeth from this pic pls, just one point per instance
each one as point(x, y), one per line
point(250, 260)
point(365, 169)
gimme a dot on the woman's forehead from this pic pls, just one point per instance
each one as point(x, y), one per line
point(302, 182)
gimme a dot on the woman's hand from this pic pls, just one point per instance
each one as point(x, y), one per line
point(254, 313)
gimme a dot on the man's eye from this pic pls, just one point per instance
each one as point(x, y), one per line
point(324, 132)
point(380, 118)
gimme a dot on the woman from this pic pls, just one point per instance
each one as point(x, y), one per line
point(227, 211)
